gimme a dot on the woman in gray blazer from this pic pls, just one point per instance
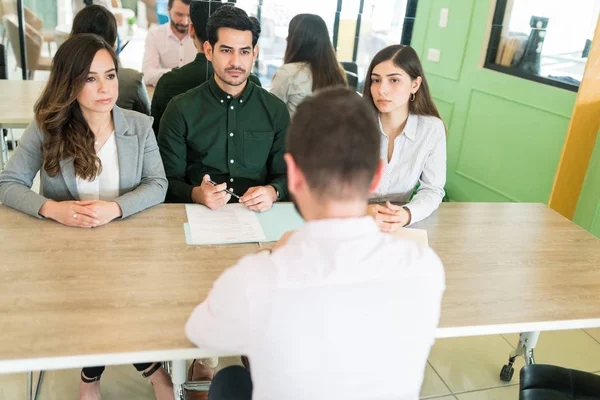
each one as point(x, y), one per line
point(100, 21)
point(97, 162)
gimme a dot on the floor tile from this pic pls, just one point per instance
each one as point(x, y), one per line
point(470, 363)
point(595, 333)
point(570, 349)
point(13, 386)
point(439, 398)
point(433, 384)
point(501, 393)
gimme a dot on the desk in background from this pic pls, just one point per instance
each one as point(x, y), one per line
point(17, 99)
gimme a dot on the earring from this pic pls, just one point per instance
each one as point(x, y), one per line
point(412, 97)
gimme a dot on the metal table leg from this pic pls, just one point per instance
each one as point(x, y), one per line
point(31, 395)
point(527, 343)
point(3, 150)
point(178, 376)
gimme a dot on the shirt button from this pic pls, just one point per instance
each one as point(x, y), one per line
point(241, 101)
point(231, 180)
point(231, 134)
point(221, 101)
point(232, 107)
point(231, 161)
point(228, 97)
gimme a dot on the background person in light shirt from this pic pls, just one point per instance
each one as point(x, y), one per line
point(169, 45)
point(333, 294)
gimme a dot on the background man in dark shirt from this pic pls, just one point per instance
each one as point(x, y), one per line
point(227, 130)
point(180, 80)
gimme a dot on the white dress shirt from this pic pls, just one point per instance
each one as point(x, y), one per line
point(342, 311)
point(164, 51)
point(419, 157)
point(292, 83)
point(106, 185)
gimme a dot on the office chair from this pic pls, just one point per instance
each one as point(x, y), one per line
point(548, 382)
point(351, 70)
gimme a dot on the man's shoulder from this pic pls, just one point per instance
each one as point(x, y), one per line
point(157, 30)
point(195, 94)
point(187, 75)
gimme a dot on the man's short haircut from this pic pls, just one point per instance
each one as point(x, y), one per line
point(98, 20)
point(229, 16)
point(200, 11)
point(170, 3)
point(334, 139)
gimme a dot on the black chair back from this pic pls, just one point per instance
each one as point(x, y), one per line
point(3, 63)
point(351, 70)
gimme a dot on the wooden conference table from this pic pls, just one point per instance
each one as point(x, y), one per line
point(122, 293)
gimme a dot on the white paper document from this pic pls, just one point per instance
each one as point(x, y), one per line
point(416, 235)
point(232, 223)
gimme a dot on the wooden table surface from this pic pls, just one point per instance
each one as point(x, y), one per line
point(17, 99)
point(122, 293)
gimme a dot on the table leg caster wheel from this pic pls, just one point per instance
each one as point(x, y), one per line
point(507, 373)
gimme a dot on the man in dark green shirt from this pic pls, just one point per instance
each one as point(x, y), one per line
point(193, 74)
point(227, 130)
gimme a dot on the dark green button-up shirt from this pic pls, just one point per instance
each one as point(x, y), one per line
point(238, 141)
point(180, 80)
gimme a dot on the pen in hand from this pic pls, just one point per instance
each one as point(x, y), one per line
point(225, 190)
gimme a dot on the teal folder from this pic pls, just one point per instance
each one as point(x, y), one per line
point(278, 220)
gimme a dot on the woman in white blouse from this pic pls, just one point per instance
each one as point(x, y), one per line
point(413, 139)
point(96, 161)
point(309, 62)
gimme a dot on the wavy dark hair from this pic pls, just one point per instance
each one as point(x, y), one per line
point(308, 41)
point(404, 57)
point(57, 111)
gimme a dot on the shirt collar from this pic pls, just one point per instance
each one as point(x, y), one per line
point(225, 98)
point(170, 33)
point(341, 228)
point(410, 130)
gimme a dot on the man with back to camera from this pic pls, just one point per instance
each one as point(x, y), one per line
point(333, 294)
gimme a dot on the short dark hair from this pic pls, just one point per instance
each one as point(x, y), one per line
point(170, 3)
point(334, 139)
point(229, 16)
point(98, 20)
point(200, 11)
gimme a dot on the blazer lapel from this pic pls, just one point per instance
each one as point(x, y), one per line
point(127, 150)
point(68, 173)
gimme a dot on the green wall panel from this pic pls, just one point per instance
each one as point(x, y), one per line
point(505, 133)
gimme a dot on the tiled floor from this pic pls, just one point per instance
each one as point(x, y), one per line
point(458, 369)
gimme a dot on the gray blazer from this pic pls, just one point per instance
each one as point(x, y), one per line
point(141, 173)
point(132, 91)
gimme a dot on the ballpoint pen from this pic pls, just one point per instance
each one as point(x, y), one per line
point(225, 190)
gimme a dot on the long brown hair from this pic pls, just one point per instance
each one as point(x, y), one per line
point(308, 41)
point(404, 57)
point(58, 114)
